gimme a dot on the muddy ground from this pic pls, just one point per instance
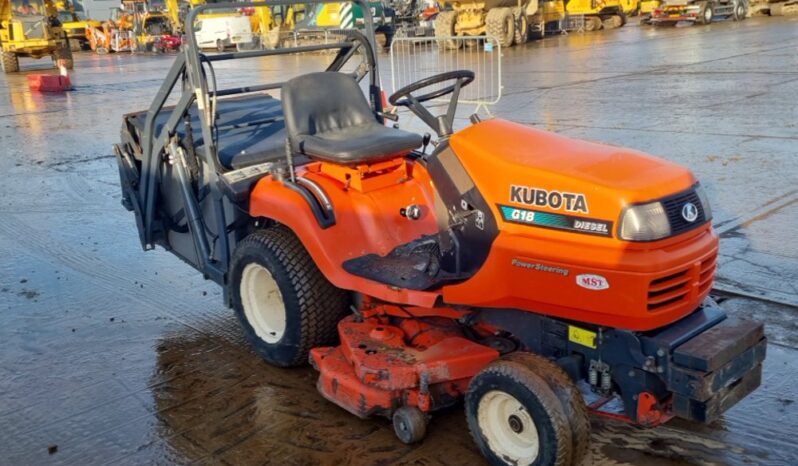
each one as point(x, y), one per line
point(109, 355)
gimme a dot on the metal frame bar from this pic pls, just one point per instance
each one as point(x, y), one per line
point(188, 68)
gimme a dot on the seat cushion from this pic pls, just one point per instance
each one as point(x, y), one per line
point(370, 143)
point(328, 118)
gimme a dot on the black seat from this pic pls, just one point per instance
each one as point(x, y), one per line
point(328, 118)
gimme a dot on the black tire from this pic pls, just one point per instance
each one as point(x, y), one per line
point(409, 424)
point(521, 26)
point(500, 23)
point(570, 398)
point(740, 11)
point(10, 62)
point(593, 23)
point(444, 27)
point(540, 409)
point(312, 306)
point(707, 14)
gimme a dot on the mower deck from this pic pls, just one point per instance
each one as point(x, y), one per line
point(380, 367)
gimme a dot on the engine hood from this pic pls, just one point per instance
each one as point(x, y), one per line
point(519, 167)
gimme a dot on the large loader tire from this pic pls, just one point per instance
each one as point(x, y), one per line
point(613, 21)
point(521, 26)
point(10, 62)
point(570, 398)
point(284, 303)
point(500, 24)
point(444, 27)
point(592, 23)
point(515, 417)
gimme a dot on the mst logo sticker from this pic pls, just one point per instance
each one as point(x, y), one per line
point(592, 281)
point(555, 200)
point(557, 221)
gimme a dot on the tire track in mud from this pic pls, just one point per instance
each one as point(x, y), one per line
point(109, 276)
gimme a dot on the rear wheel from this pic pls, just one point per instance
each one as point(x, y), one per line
point(444, 29)
point(500, 24)
point(515, 416)
point(284, 303)
point(10, 61)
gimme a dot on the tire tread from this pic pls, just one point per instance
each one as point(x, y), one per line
point(316, 296)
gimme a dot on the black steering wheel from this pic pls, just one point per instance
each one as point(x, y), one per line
point(403, 97)
point(442, 124)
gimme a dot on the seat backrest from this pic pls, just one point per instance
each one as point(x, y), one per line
point(320, 102)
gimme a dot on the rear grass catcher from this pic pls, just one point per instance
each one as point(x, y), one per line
point(535, 277)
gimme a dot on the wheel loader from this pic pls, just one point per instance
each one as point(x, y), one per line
point(534, 278)
point(31, 28)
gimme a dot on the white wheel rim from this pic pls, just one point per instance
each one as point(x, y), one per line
point(263, 303)
point(707, 14)
point(508, 427)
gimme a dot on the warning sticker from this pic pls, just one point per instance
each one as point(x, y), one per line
point(581, 336)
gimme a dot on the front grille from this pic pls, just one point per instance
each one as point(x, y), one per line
point(675, 288)
point(673, 208)
point(668, 290)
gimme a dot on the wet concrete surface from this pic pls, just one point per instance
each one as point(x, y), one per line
point(112, 356)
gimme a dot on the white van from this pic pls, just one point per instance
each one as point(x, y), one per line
point(220, 32)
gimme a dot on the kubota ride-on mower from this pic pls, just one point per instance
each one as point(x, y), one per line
point(536, 277)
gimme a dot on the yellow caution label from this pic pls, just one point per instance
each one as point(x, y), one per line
point(581, 336)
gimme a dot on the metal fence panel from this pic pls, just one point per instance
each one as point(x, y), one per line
point(415, 58)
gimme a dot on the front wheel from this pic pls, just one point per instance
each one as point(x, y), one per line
point(284, 303)
point(219, 45)
point(516, 418)
point(10, 62)
point(707, 15)
point(739, 11)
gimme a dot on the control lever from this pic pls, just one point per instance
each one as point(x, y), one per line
point(425, 142)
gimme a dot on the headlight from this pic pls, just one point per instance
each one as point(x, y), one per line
point(702, 196)
point(645, 222)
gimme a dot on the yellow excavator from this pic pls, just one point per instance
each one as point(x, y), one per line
point(30, 28)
